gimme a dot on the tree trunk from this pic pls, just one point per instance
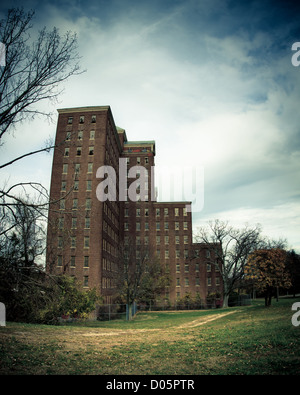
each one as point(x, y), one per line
point(225, 300)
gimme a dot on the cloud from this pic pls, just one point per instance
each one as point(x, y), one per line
point(211, 82)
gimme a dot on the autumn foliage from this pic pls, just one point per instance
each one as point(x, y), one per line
point(267, 269)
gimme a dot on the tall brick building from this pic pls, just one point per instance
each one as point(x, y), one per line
point(85, 230)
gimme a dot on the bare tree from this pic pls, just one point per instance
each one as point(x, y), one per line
point(33, 72)
point(141, 275)
point(231, 248)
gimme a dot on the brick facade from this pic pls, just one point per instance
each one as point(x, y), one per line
point(84, 232)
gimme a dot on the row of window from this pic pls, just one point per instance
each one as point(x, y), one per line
point(197, 267)
point(108, 282)
point(74, 223)
point(73, 242)
point(111, 213)
point(138, 160)
point(81, 119)
point(197, 281)
point(78, 151)
point(76, 185)
point(158, 227)
point(80, 135)
point(109, 248)
point(110, 231)
point(72, 261)
point(145, 211)
point(77, 168)
point(88, 204)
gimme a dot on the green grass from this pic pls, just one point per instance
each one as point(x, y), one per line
point(251, 340)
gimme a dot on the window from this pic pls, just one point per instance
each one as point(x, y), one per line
point(67, 152)
point(146, 212)
point(63, 185)
point(177, 253)
point(75, 204)
point(88, 203)
point(72, 263)
point(185, 211)
point(166, 239)
point(86, 261)
point(126, 226)
point(146, 160)
point(92, 134)
point(89, 185)
point(60, 241)
point(86, 242)
point(166, 254)
point(197, 267)
point(197, 281)
point(177, 282)
point(208, 267)
point(74, 223)
point(85, 281)
point(70, 120)
point(186, 268)
point(77, 167)
point(81, 119)
point(80, 134)
point(62, 204)
point(186, 281)
point(186, 241)
point(186, 253)
point(61, 221)
point(176, 225)
point(157, 225)
point(78, 152)
point(138, 240)
point(65, 168)
point(166, 211)
point(87, 223)
point(138, 160)
point(207, 253)
point(146, 240)
point(91, 150)
point(176, 239)
point(68, 137)
point(93, 118)
point(59, 260)
point(157, 239)
point(158, 212)
point(176, 211)
point(217, 280)
point(138, 212)
point(73, 242)
point(166, 225)
point(138, 226)
point(146, 226)
point(209, 281)
point(90, 167)
point(177, 268)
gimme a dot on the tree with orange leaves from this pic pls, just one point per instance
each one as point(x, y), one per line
point(267, 269)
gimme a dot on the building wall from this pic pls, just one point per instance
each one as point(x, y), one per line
point(84, 230)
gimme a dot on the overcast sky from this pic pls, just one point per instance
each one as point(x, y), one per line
point(211, 82)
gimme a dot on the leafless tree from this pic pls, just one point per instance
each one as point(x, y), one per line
point(33, 72)
point(141, 275)
point(231, 248)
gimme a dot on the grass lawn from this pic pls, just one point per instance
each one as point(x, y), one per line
point(241, 340)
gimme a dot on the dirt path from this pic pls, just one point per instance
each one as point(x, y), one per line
point(106, 338)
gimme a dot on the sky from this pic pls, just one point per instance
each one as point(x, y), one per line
point(212, 82)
